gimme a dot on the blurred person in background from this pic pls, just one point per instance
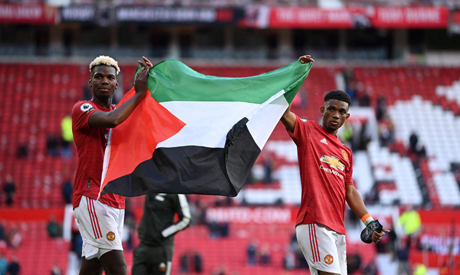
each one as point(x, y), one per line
point(420, 269)
point(14, 267)
point(14, 237)
point(413, 143)
point(9, 189)
point(3, 240)
point(410, 223)
point(251, 253)
point(100, 219)
point(371, 268)
point(191, 261)
point(3, 264)
point(53, 228)
point(326, 170)
point(67, 137)
point(67, 191)
point(265, 256)
point(56, 270)
point(22, 151)
point(52, 145)
point(353, 261)
point(156, 231)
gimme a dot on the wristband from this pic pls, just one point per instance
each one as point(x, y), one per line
point(367, 219)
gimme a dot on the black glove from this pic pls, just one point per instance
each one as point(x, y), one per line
point(366, 234)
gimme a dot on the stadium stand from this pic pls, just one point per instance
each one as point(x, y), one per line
point(29, 112)
point(35, 238)
point(412, 97)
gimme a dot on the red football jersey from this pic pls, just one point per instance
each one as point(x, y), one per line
point(326, 166)
point(91, 143)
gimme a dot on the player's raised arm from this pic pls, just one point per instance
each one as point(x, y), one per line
point(100, 82)
point(289, 118)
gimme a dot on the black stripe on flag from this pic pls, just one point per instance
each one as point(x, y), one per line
point(194, 169)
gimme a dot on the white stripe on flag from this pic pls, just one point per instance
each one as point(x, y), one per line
point(263, 122)
point(207, 123)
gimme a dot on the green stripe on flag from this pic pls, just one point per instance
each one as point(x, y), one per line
point(172, 80)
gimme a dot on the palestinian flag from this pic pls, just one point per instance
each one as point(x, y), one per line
point(196, 134)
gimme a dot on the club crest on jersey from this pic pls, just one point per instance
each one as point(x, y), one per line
point(328, 259)
point(110, 236)
point(333, 162)
point(345, 155)
point(86, 107)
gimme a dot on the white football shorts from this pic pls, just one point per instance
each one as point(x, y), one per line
point(324, 249)
point(100, 226)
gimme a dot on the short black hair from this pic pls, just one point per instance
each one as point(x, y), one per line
point(339, 95)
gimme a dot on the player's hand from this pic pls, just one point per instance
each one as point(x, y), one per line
point(306, 59)
point(373, 232)
point(140, 85)
point(377, 236)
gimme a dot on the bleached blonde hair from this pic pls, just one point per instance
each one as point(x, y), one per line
point(104, 60)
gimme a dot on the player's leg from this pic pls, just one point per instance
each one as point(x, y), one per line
point(161, 257)
point(114, 263)
point(318, 245)
point(90, 267)
point(101, 227)
point(140, 261)
point(112, 259)
point(90, 263)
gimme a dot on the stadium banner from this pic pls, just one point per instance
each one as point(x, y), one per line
point(179, 15)
point(27, 14)
point(345, 18)
point(195, 133)
point(84, 14)
point(410, 17)
point(102, 16)
point(252, 215)
point(310, 18)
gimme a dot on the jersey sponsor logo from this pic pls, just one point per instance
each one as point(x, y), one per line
point(324, 141)
point(333, 162)
point(110, 236)
point(345, 155)
point(328, 259)
point(331, 171)
point(304, 120)
point(86, 107)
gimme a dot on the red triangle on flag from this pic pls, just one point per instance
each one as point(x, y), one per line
point(134, 141)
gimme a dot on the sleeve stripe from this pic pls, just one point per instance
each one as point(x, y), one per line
point(182, 224)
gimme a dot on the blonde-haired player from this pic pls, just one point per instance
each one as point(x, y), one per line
point(101, 221)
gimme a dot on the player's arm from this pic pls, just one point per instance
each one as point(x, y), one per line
point(356, 204)
point(289, 118)
point(116, 117)
point(183, 211)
